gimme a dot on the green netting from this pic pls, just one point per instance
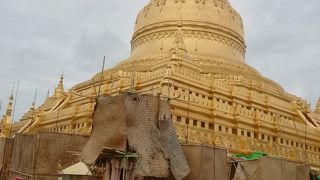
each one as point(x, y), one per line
point(252, 156)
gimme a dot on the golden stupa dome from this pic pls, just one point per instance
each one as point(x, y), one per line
point(211, 29)
point(209, 32)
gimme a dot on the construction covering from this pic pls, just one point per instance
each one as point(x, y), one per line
point(268, 168)
point(23, 158)
point(207, 163)
point(142, 124)
point(79, 171)
point(43, 156)
point(73, 177)
point(6, 146)
point(3, 143)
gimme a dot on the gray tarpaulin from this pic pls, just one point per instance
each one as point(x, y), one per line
point(140, 123)
point(268, 168)
point(56, 151)
point(42, 156)
point(207, 163)
point(5, 157)
point(2, 151)
point(108, 128)
point(303, 172)
point(24, 153)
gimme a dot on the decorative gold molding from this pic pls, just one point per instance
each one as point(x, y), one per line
point(194, 34)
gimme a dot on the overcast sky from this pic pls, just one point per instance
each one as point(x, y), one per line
point(40, 39)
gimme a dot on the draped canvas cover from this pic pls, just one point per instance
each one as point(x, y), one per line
point(5, 157)
point(207, 163)
point(142, 124)
point(268, 168)
point(42, 156)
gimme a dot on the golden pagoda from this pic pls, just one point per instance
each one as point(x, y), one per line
point(193, 54)
point(6, 121)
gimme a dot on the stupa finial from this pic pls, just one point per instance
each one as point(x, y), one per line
point(7, 117)
point(6, 121)
point(59, 91)
point(61, 79)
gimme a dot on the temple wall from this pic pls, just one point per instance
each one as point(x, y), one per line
point(245, 109)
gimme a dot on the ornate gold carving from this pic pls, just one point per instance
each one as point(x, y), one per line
point(200, 1)
point(195, 34)
point(219, 3)
point(160, 2)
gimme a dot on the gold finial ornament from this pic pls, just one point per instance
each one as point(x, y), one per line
point(59, 91)
point(6, 121)
point(8, 115)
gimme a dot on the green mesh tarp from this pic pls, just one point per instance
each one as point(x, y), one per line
point(252, 156)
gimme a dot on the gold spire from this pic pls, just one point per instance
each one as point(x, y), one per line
point(7, 117)
point(6, 121)
point(59, 91)
point(10, 106)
